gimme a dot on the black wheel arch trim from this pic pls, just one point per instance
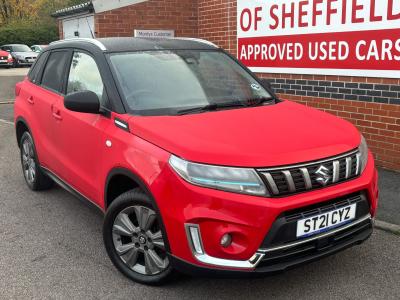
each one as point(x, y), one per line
point(130, 174)
point(22, 120)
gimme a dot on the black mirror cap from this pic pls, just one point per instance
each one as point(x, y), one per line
point(84, 102)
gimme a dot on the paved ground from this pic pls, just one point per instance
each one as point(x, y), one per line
point(8, 79)
point(51, 247)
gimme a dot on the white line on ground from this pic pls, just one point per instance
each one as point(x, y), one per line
point(7, 102)
point(6, 122)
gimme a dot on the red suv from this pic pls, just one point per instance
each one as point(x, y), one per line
point(195, 162)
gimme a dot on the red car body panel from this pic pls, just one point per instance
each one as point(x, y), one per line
point(266, 136)
point(9, 58)
point(73, 146)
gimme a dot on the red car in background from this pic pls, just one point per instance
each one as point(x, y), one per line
point(195, 162)
point(6, 59)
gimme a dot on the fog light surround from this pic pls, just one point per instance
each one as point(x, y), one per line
point(196, 246)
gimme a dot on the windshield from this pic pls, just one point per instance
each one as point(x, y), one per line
point(21, 48)
point(166, 82)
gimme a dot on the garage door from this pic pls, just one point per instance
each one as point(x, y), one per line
point(82, 27)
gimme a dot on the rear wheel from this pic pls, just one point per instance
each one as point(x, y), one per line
point(34, 176)
point(134, 239)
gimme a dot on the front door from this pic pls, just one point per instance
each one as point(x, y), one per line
point(81, 136)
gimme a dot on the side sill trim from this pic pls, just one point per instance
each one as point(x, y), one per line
point(329, 233)
point(71, 190)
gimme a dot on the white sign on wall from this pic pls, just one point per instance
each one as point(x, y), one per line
point(328, 37)
point(154, 33)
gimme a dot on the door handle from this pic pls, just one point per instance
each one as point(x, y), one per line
point(56, 113)
point(30, 100)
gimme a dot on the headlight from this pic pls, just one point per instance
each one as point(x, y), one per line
point(363, 150)
point(238, 180)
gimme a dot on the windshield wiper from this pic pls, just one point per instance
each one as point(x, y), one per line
point(259, 101)
point(210, 107)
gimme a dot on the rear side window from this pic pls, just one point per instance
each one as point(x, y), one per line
point(35, 70)
point(54, 71)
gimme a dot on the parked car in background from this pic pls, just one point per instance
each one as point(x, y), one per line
point(22, 55)
point(38, 48)
point(6, 59)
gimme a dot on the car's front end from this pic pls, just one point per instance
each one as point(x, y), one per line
point(25, 58)
point(261, 233)
point(6, 59)
point(248, 183)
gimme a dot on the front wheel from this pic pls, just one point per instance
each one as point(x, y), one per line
point(134, 239)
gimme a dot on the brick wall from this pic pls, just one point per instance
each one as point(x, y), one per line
point(371, 104)
point(179, 15)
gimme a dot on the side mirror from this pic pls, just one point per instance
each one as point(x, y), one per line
point(83, 102)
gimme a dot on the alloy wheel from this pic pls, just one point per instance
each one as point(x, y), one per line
point(28, 161)
point(138, 240)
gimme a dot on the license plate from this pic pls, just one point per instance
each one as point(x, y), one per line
point(326, 221)
point(31, 60)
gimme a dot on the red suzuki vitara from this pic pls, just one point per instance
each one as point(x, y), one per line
point(196, 163)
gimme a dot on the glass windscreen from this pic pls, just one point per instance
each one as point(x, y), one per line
point(166, 82)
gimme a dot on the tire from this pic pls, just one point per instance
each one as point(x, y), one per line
point(137, 248)
point(33, 174)
point(15, 63)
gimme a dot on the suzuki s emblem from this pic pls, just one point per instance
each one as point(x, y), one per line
point(323, 175)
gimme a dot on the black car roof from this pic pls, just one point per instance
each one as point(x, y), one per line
point(124, 44)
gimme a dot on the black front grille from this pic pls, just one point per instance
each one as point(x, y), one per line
point(283, 231)
point(284, 248)
point(314, 249)
point(301, 178)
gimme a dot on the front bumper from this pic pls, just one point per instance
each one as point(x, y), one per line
point(359, 231)
point(248, 219)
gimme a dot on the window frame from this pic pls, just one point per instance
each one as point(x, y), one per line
point(107, 106)
point(37, 79)
point(62, 90)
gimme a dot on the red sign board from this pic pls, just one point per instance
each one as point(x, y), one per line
point(329, 37)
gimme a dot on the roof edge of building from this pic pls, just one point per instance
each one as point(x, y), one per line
point(86, 7)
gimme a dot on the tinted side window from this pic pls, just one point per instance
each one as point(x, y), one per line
point(54, 71)
point(35, 70)
point(84, 75)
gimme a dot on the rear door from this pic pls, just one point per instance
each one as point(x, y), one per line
point(44, 97)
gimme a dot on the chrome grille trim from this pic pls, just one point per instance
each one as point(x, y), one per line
point(336, 167)
point(348, 167)
point(309, 163)
point(307, 179)
point(288, 180)
point(358, 163)
point(271, 183)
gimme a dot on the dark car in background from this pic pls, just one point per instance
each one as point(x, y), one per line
point(22, 55)
point(6, 59)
